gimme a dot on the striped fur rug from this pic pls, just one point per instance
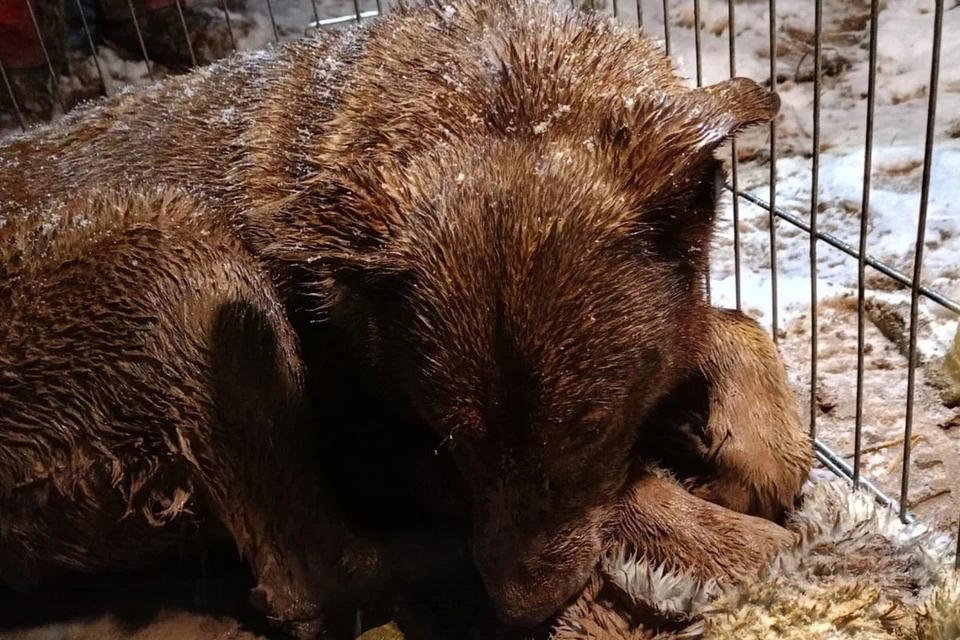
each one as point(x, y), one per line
point(857, 573)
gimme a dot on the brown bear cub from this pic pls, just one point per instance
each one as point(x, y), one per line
point(503, 235)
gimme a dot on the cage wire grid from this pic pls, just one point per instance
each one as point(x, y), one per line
point(826, 455)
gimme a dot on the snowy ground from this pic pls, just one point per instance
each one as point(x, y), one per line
point(903, 77)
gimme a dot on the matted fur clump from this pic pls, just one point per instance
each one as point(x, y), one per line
point(856, 573)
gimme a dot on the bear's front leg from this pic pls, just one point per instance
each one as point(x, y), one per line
point(731, 431)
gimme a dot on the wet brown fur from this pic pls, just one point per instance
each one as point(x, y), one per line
point(757, 449)
point(746, 460)
point(508, 229)
point(150, 375)
point(668, 526)
point(732, 431)
point(679, 534)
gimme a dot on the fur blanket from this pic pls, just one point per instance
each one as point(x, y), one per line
point(857, 573)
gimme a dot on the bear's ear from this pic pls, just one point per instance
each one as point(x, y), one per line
point(666, 146)
point(663, 142)
point(722, 110)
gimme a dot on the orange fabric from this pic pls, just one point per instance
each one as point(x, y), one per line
point(19, 45)
point(13, 12)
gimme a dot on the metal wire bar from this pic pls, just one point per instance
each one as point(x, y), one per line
point(666, 27)
point(814, 211)
point(829, 458)
point(143, 47)
point(864, 227)
point(13, 97)
point(956, 555)
point(837, 243)
point(356, 9)
point(921, 232)
point(639, 15)
point(329, 22)
point(54, 75)
point(273, 22)
point(379, 7)
point(226, 17)
point(316, 12)
point(698, 46)
point(358, 623)
point(737, 276)
point(732, 32)
point(696, 41)
point(93, 48)
point(186, 33)
point(616, 13)
point(774, 315)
